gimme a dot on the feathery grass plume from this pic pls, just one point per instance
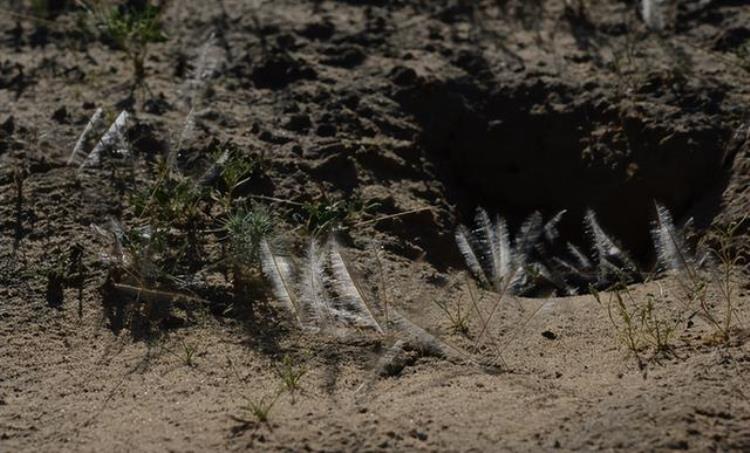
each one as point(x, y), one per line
point(554, 277)
point(487, 243)
point(280, 271)
point(502, 247)
point(315, 308)
point(472, 261)
point(653, 13)
point(671, 250)
point(354, 302)
point(568, 268)
point(608, 253)
point(78, 154)
point(205, 68)
point(550, 228)
point(186, 135)
point(115, 136)
point(584, 263)
point(424, 340)
point(528, 235)
point(486, 249)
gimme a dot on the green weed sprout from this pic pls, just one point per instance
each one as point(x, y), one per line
point(261, 409)
point(291, 374)
point(131, 30)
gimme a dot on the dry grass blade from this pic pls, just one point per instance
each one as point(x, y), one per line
point(425, 340)
point(153, 295)
point(486, 322)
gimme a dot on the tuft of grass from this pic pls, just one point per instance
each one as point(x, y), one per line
point(188, 352)
point(130, 29)
point(291, 374)
point(659, 332)
point(624, 320)
point(458, 317)
point(261, 409)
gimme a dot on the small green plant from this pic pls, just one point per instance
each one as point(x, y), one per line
point(188, 352)
point(658, 331)
point(728, 253)
point(261, 409)
point(625, 323)
point(237, 170)
point(245, 228)
point(291, 375)
point(326, 214)
point(171, 201)
point(129, 29)
point(641, 324)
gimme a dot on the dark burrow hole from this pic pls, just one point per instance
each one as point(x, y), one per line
point(544, 147)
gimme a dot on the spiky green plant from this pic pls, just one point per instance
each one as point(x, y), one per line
point(245, 228)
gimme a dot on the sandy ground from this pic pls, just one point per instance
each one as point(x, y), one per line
point(381, 100)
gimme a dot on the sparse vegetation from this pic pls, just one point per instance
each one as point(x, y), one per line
point(327, 214)
point(187, 354)
point(457, 315)
point(284, 201)
point(131, 30)
point(291, 374)
point(245, 229)
point(640, 324)
point(261, 409)
point(728, 253)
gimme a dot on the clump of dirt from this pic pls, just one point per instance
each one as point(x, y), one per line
point(398, 119)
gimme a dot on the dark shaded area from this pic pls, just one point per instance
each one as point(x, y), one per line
point(520, 146)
